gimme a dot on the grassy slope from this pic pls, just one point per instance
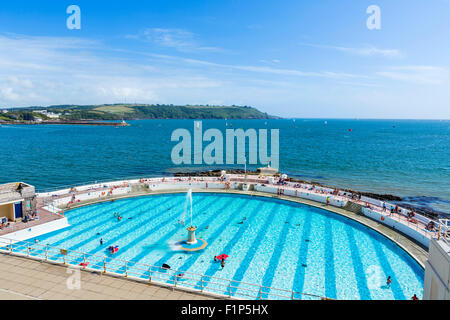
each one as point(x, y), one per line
point(121, 111)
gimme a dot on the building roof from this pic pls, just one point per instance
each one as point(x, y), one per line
point(11, 192)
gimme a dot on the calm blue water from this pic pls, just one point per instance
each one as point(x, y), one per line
point(279, 244)
point(411, 160)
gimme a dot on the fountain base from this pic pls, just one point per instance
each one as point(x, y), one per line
point(192, 243)
point(186, 246)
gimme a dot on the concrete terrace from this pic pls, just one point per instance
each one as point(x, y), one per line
point(24, 279)
point(44, 217)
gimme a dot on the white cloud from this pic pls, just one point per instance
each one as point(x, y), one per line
point(416, 74)
point(261, 69)
point(361, 51)
point(178, 39)
point(52, 70)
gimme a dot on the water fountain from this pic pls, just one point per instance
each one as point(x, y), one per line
point(192, 243)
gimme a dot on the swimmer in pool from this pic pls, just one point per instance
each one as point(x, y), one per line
point(389, 281)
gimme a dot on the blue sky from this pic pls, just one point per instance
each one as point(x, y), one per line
point(289, 58)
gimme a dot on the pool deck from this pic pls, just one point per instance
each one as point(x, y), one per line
point(44, 217)
point(24, 279)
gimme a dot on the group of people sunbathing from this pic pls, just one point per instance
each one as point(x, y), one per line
point(31, 217)
point(4, 225)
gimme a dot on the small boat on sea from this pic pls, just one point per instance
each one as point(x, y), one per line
point(123, 124)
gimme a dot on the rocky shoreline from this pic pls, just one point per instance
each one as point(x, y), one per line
point(424, 210)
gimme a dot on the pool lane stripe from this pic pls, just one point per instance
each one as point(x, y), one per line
point(275, 259)
point(115, 226)
point(80, 222)
point(330, 271)
point(105, 219)
point(237, 236)
point(384, 263)
point(187, 264)
point(142, 225)
point(85, 221)
point(128, 222)
point(170, 220)
point(240, 272)
point(299, 277)
point(360, 275)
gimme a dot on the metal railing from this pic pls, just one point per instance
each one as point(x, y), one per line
point(152, 274)
point(444, 230)
point(93, 182)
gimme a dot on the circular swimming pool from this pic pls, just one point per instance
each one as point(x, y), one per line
point(269, 242)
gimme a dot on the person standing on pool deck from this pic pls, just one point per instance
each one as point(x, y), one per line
point(101, 241)
point(414, 297)
point(222, 264)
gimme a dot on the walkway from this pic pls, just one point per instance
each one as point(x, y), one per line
point(24, 279)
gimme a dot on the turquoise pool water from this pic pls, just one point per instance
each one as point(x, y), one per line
point(270, 242)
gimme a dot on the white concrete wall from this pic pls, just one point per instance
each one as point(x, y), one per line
point(185, 186)
point(303, 194)
point(437, 272)
point(37, 231)
point(89, 196)
point(396, 225)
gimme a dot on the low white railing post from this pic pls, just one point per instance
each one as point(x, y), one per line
point(202, 283)
point(439, 231)
point(150, 274)
point(229, 289)
point(84, 259)
point(46, 252)
point(28, 249)
point(260, 293)
point(104, 265)
point(11, 244)
point(126, 269)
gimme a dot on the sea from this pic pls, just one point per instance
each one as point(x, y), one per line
point(405, 158)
